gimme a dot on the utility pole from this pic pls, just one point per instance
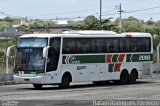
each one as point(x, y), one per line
point(120, 18)
point(100, 13)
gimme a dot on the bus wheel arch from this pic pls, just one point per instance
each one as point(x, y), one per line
point(65, 80)
point(124, 76)
point(133, 76)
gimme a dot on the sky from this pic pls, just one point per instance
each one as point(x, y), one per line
point(75, 9)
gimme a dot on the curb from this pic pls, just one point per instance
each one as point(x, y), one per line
point(7, 83)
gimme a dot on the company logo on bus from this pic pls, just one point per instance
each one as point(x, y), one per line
point(144, 57)
point(71, 60)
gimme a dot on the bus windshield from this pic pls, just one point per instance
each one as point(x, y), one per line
point(30, 59)
point(32, 42)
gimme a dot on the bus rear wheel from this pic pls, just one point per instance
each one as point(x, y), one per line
point(132, 77)
point(66, 79)
point(37, 86)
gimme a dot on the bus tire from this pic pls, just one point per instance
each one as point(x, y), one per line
point(133, 76)
point(124, 77)
point(66, 79)
point(97, 82)
point(37, 86)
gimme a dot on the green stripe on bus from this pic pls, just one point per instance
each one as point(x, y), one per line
point(83, 59)
point(139, 57)
point(110, 67)
point(80, 59)
point(128, 57)
point(63, 59)
point(114, 58)
point(91, 59)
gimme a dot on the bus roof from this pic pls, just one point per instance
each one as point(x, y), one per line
point(90, 33)
point(136, 34)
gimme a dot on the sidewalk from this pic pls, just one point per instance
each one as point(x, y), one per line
point(6, 79)
point(7, 83)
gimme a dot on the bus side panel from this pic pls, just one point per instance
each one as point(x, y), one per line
point(147, 69)
point(116, 69)
point(81, 72)
point(94, 71)
point(53, 77)
point(71, 68)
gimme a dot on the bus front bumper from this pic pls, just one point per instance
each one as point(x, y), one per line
point(30, 80)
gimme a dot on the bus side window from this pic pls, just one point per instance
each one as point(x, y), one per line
point(69, 46)
point(98, 45)
point(134, 45)
point(111, 45)
point(111, 49)
point(53, 54)
point(83, 45)
point(145, 44)
point(124, 44)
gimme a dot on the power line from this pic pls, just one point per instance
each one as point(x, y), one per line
point(108, 10)
point(80, 17)
point(143, 9)
point(139, 10)
point(149, 14)
point(85, 10)
point(8, 15)
point(69, 12)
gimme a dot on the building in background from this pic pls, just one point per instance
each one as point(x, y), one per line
point(58, 27)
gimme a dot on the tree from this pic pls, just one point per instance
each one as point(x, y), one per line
point(132, 26)
point(92, 23)
point(150, 22)
point(24, 28)
point(9, 19)
point(131, 18)
point(3, 48)
point(155, 31)
point(158, 22)
point(90, 20)
point(108, 25)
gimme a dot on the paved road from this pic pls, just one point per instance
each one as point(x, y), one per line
point(84, 94)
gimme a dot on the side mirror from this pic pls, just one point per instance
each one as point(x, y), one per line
point(7, 58)
point(9, 50)
point(45, 51)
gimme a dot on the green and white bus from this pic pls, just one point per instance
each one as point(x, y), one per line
point(78, 56)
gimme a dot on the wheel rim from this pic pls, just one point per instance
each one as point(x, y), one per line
point(133, 77)
point(66, 81)
point(124, 78)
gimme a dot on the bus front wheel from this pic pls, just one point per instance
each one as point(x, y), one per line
point(66, 79)
point(37, 86)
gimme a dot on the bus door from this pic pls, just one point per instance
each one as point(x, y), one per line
point(53, 58)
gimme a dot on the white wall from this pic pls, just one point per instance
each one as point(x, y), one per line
point(62, 22)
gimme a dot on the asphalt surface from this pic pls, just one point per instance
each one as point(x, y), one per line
point(82, 94)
